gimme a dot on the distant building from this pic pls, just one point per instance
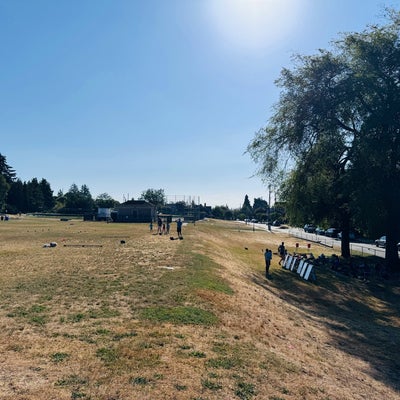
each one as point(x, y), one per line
point(134, 211)
point(103, 214)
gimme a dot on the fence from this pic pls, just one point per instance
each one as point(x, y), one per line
point(359, 248)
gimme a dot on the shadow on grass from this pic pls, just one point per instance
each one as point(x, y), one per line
point(361, 317)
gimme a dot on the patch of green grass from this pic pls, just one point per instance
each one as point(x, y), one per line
point(245, 391)
point(145, 345)
point(180, 336)
point(59, 357)
point(179, 315)
point(202, 275)
point(197, 354)
point(185, 347)
point(74, 318)
point(35, 314)
point(221, 348)
point(211, 385)
point(37, 308)
point(121, 336)
point(103, 312)
point(38, 319)
point(71, 380)
point(107, 355)
point(224, 362)
point(102, 332)
point(285, 390)
point(272, 361)
point(140, 380)
point(77, 395)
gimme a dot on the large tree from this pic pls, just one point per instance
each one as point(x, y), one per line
point(374, 59)
point(34, 196)
point(260, 209)
point(78, 200)
point(47, 193)
point(247, 209)
point(7, 177)
point(337, 110)
point(309, 126)
point(104, 200)
point(16, 197)
point(154, 196)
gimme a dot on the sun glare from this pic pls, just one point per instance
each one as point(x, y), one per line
point(254, 24)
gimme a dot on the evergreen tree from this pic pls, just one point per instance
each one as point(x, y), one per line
point(6, 171)
point(247, 210)
point(16, 200)
point(78, 200)
point(3, 192)
point(47, 193)
point(34, 196)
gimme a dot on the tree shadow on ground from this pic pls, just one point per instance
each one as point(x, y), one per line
point(363, 318)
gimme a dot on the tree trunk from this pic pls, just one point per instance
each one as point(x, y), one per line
point(392, 237)
point(392, 256)
point(345, 245)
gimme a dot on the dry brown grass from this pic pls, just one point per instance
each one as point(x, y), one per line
point(154, 318)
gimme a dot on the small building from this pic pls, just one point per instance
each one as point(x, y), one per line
point(103, 214)
point(134, 211)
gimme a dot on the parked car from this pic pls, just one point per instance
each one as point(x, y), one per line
point(332, 232)
point(319, 231)
point(381, 242)
point(309, 228)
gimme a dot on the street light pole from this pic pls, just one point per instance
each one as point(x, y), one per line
point(269, 202)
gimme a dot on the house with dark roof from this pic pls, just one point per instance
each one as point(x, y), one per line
point(134, 211)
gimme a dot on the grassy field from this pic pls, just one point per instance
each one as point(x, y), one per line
point(114, 312)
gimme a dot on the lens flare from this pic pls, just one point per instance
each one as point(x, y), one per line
point(254, 24)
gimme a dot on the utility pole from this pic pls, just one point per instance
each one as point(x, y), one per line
point(269, 208)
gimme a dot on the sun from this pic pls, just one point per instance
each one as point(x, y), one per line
point(254, 24)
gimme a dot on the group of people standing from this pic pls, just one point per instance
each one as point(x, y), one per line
point(164, 228)
point(268, 257)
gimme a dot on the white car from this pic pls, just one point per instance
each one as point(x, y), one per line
point(381, 242)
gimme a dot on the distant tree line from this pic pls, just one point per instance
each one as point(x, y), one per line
point(36, 196)
point(260, 210)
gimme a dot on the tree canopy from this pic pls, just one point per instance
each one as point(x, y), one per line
point(154, 196)
point(338, 123)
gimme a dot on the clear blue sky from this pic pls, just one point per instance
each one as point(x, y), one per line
point(126, 95)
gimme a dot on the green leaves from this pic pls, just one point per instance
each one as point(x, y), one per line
point(337, 120)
